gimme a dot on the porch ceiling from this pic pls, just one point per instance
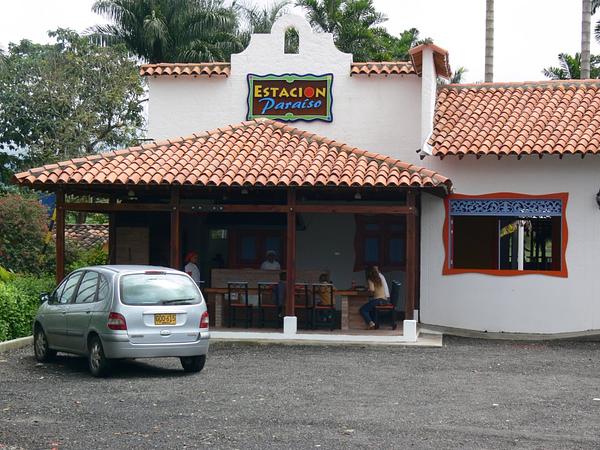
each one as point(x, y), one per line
point(260, 153)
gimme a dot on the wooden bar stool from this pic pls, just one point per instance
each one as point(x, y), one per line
point(323, 311)
point(390, 308)
point(237, 299)
point(302, 302)
point(268, 301)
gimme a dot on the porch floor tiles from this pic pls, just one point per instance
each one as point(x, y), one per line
point(325, 337)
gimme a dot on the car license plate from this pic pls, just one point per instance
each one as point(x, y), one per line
point(164, 319)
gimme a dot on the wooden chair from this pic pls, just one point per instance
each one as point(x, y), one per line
point(268, 301)
point(390, 308)
point(237, 299)
point(302, 302)
point(324, 314)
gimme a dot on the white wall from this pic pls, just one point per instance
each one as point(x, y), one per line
point(526, 303)
point(380, 114)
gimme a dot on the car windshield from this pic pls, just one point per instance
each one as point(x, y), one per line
point(159, 289)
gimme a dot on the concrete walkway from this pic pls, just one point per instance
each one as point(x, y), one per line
point(423, 340)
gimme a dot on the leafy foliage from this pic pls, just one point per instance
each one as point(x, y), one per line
point(260, 20)
point(355, 28)
point(81, 258)
point(19, 301)
point(171, 30)
point(22, 232)
point(353, 24)
point(66, 99)
point(569, 67)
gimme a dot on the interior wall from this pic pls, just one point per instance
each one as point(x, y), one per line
point(327, 244)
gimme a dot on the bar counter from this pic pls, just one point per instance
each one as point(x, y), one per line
point(350, 301)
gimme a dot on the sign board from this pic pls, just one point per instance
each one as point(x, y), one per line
point(290, 97)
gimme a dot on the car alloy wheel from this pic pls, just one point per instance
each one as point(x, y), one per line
point(41, 349)
point(97, 362)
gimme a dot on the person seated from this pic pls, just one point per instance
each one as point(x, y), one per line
point(379, 293)
point(324, 297)
point(271, 262)
point(323, 293)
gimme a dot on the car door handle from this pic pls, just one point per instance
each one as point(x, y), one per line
point(88, 312)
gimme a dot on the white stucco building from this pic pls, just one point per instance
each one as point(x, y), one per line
point(508, 246)
point(392, 114)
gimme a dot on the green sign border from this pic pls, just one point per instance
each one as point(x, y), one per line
point(289, 78)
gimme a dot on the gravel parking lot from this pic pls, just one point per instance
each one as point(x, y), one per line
point(469, 394)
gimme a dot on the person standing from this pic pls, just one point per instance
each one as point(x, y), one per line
point(379, 291)
point(191, 267)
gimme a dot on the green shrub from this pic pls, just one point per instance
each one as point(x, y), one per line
point(5, 275)
point(95, 256)
point(19, 302)
point(23, 227)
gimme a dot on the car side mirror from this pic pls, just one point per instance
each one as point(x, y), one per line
point(45, 297)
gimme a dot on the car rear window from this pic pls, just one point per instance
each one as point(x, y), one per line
point(159, 289)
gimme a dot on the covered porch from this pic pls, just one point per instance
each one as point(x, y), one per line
point(233, 193)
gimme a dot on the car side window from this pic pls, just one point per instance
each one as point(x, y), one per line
point(103, 289)
point(57, 292)
point(66, 293)
point(87, 288)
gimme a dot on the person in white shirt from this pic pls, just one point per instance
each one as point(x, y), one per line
point(271, 262)
point(191, 267)
point(380, 295)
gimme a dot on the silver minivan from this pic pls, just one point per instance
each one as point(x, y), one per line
point(115, 312)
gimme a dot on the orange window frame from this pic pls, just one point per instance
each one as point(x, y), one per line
point(563, 272)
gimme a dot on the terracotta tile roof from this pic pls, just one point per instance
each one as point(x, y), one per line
point(191, 69)
point(253, 153)
point(441, 59)
point(383, 68)
point(86, 236)
point(224, 68)
point(531, 118)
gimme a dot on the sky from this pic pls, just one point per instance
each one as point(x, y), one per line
point(529, 33)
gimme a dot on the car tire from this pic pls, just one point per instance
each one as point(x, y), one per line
point(98, 364)
point(41, 349)
point(193, 363)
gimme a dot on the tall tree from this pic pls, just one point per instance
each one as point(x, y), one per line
point(66, 99)
point(353, 24)
point(355, 28)
point(586, 18)
point(489, 41)
point(172, 30)
point(261, 19)
point(569, 67)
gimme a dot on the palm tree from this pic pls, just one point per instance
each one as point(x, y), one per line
point(569, 67)
point(458, 75)
point(586, 18)
point(260, 20)
point(353, 24)
point(171, 30)
point(489, 41)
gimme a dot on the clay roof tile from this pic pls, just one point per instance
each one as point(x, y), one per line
point(517, 118)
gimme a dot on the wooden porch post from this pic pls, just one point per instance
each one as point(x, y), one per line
point(290, 254)
point(411, 254)
point(175, 229)
point(112, 234)
point(60, 236)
